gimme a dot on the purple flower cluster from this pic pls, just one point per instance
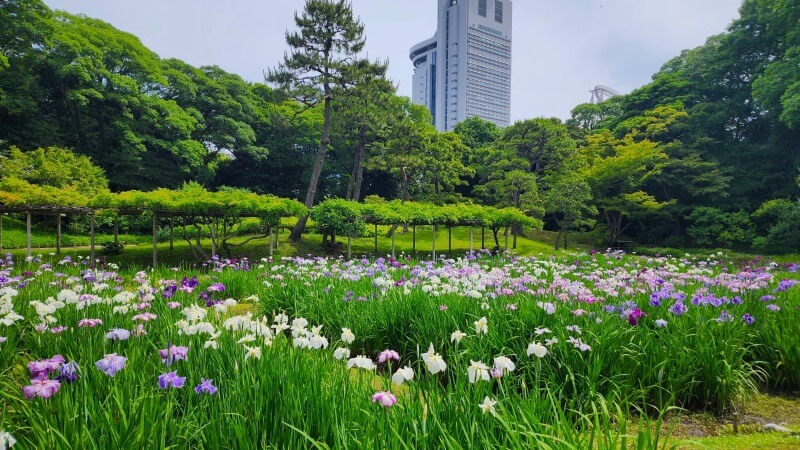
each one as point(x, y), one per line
point(41, 384)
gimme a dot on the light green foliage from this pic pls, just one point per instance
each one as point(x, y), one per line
point(16, 192)
point(337, 212)
point(193, 199)
point(55, 167)
point(617, 172)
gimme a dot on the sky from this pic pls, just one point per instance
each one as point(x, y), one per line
point(561, 48)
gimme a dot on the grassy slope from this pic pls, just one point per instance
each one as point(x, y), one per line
point(140, 254)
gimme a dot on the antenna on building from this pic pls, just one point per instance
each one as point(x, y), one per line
point(602, 93)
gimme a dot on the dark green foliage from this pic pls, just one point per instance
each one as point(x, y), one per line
point(712, 227)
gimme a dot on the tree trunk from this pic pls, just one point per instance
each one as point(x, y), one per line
point(300, 227)
point(360, 153)
point(558, 238)
point(353, 187)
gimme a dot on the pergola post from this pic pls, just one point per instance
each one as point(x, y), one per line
point(471, 229)
point(393, 244)
point(483, 238)
point(155, 240)
point(116, 230)
point(349, 244)
point(414, 239)
point(277, 233)
point(214, 237)
point(433, 243)
point(171, 231)
point(271, 228)
point(91, 240)
point(376, 239)
point(506, 233)
point(58, 233)
point(28, 234)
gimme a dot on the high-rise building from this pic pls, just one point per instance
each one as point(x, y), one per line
point(464, 70)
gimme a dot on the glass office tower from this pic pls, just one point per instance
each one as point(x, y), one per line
point(465, 69)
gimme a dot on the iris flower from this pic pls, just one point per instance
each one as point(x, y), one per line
point(118, 334)
point(488, 405)
point(111, 364)
point(387, 355)
point(171, 379)
point(403, 375)
point(535, 348)
point(477, 371)
point(385, 398)
point(482, 325)
point(205, 387)
point(434, 361)
point(41, 388)
point(173, 354)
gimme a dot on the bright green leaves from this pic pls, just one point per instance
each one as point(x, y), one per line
point(54, 167)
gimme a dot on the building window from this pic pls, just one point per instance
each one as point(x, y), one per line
point(482, 8)
point(498, 11)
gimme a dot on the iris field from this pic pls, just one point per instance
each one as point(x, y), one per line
point(580, 351)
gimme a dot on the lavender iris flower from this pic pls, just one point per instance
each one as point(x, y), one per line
point(205, 387)
point(118, 334)
point(41, 369)
point(678, 308)
point(169, 291)
point(41, 388)
point(172, 354)
point(171, 379)
point(111, 364)
point(216, 287)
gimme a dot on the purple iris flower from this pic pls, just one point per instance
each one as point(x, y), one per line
point(655, 299)
point(188, 284)
point(204, 297)
point(748, 319)
point(773, 307)
point(216, 287)
point(387, 355)
point(205, 387)
point(737, 300)
point(635, 316)
point(68, 372)
point(41, 388)
point(678, 308)
point(171, 379)
point(169, 291)
point(172, 354)
point(111, 364)
point(41, 369)
point(118, 334)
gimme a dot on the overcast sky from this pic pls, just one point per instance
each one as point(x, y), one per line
point(561, 48)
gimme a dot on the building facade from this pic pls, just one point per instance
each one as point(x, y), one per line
point(464, 70)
